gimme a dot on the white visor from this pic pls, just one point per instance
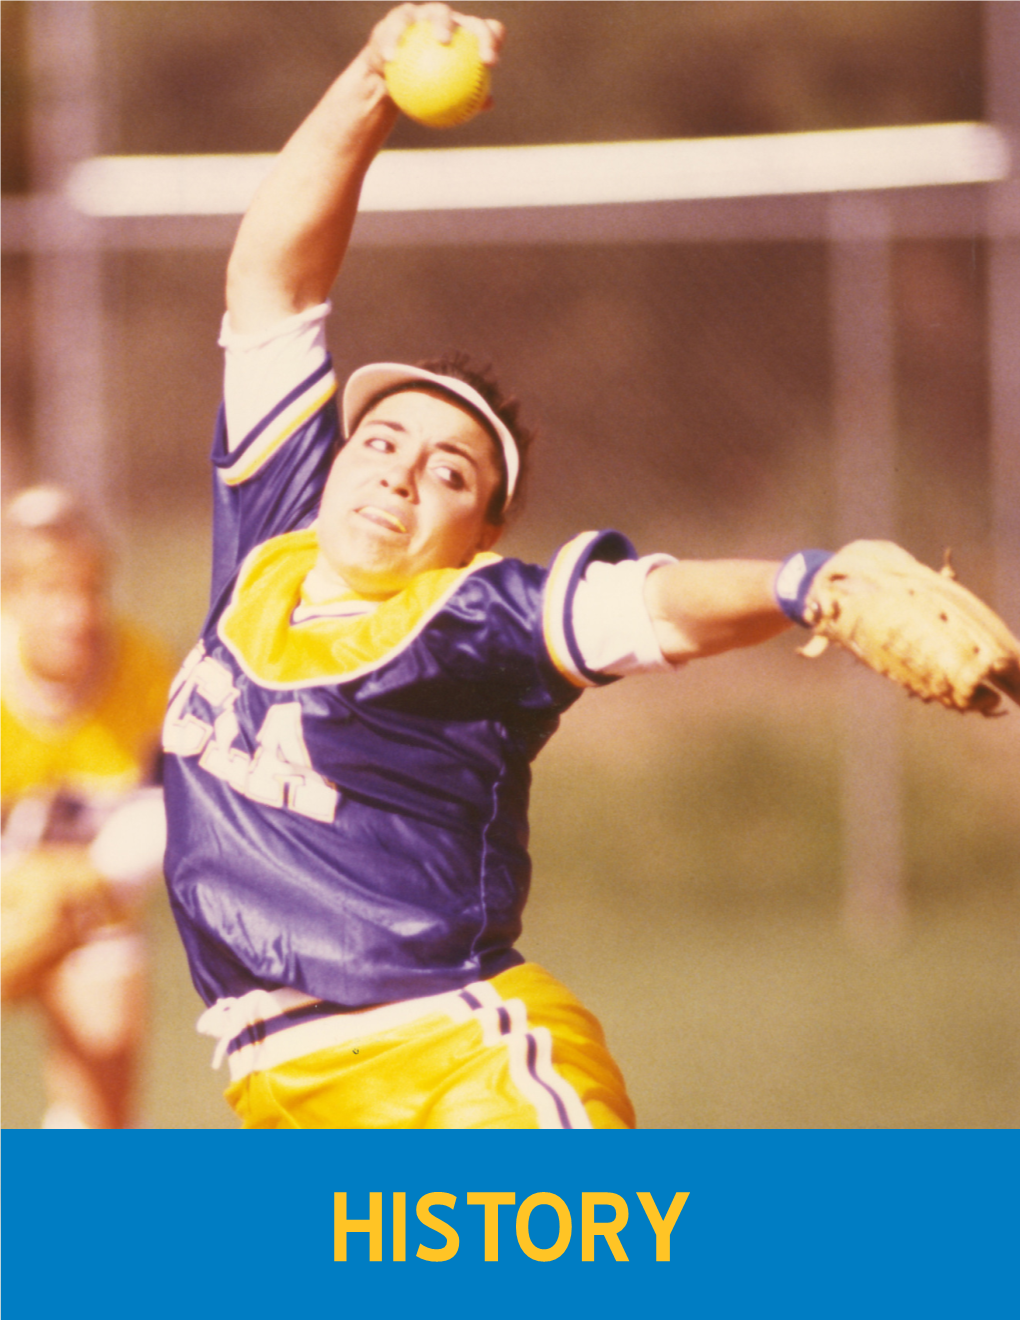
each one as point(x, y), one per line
point(367, 383)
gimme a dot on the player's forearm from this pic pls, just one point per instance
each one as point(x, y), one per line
point(702, 607)
point(293, 238)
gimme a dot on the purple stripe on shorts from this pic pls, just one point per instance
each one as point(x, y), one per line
point(506, 1029)
point(532, 1060)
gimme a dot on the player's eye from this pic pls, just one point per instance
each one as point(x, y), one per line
point(380, 443)
point(450, 476)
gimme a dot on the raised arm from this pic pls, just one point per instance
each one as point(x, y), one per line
point(292, 241)
point(702, 607)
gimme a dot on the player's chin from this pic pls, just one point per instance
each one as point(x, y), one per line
point(68, 663)
point(377, 570)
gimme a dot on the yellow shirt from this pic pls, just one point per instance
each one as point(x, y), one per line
point(103, 748)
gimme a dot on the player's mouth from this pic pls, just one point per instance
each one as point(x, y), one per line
point(382, 518)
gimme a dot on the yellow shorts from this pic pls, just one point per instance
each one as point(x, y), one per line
point(518, 1051)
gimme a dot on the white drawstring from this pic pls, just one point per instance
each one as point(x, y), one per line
point(227, 1018)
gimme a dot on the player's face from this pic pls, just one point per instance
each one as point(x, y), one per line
point(60, 604)
point(407, 493)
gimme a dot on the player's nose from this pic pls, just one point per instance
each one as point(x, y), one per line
point(400, 478)
point(399, 483)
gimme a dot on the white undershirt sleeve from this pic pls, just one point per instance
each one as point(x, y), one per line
point(612, 626)
point(261, 369)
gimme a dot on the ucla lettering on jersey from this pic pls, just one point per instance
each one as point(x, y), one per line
point(347, 785)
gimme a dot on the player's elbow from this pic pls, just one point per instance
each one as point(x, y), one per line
point(676, 645)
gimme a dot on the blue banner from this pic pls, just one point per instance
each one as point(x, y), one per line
point(515, 1224)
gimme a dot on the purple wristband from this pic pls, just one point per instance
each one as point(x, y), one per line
point(793, 581)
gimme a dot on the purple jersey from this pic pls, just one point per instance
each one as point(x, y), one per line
point(347, 784)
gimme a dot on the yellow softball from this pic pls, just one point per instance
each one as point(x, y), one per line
point(436, 84)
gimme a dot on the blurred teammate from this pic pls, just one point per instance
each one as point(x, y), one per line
point(348, 745)
point(83, 695)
